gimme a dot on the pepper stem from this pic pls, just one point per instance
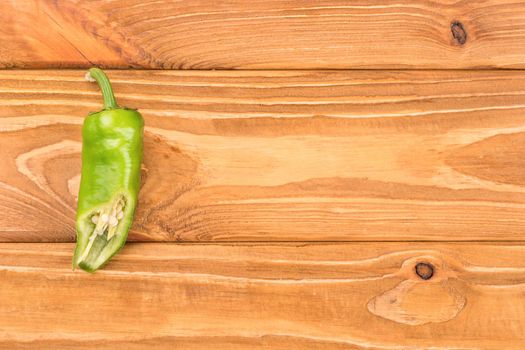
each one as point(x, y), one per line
point(105, 86)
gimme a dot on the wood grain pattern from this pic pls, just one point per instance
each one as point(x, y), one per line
point(333, 296)
point(257, 34)
point(279, 156)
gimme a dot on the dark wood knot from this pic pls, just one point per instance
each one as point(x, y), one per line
point(458, 32)
point(424, 270)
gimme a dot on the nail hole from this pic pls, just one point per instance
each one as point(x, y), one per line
point(425, 270)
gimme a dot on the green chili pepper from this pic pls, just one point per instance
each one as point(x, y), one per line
point(110, 179)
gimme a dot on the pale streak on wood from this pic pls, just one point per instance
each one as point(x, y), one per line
point(38, 156)
point(50, 103)
point(282, 100)
point(197, 277)
point(358, 201)
point(133, 78)
point(198, 340)
point(266, 296)
point(262, 35)
point(20, 123)
point(456, 180)
point(239, 162)
point(30, 199)
point(73, 185)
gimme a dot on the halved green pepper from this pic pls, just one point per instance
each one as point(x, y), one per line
point(110, 179)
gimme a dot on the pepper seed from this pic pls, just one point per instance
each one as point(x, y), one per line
point(113, 221)
point(104, 218)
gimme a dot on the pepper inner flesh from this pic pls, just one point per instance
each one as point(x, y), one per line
point(105, 223)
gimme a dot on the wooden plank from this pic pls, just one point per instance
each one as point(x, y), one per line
point(333, 296)
point(279, 156)
point(258, 34)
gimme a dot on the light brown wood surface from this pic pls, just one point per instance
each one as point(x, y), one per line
point(296, 296)
point(279, 156)
point(313, 209)
point(266, 34)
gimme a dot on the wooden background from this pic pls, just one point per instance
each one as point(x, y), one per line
point(317, 175)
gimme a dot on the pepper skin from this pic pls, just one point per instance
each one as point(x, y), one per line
point(110, 179)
